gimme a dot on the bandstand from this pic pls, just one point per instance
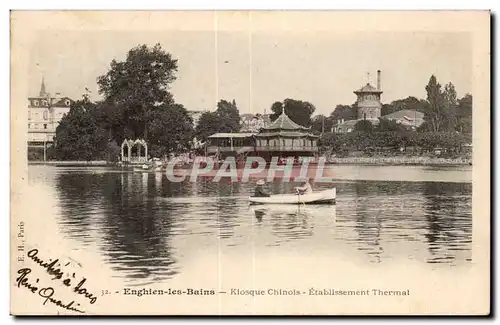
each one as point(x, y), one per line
point(132, 151)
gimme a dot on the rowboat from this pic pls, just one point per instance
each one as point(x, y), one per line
point(320, 197)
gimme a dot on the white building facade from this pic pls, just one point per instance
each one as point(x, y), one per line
point(44, 114)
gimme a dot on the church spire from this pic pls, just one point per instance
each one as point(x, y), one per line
point(43, 93)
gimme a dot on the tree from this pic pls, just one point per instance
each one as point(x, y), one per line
point(322, 124)
point(113, 150)
point(276, 109)
point(225, 119)
point(298, 111)
point(464, 114)
point(465, 106)
point(343, 112)
point(388, 109)
point(363, 126)
point(332, 143)
point(208, 124)
point(172, 130)
point(409, 103)
point(435, 113)
point(386, 125)
point(135, 88)
point(229, 116)
point(78, 135)
point(450, 107)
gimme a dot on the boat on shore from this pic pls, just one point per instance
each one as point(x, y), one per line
point(320, 197)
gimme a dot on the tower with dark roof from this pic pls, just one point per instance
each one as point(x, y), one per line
point(368, 103)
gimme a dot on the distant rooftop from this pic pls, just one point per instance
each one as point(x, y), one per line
point(406, 113)
point(368, 89)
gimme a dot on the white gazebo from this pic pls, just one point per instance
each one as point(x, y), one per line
point(137, 144)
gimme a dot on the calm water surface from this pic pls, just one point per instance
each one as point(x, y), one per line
point(147, 228)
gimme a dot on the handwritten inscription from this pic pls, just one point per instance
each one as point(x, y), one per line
point(53, 268)
point(46, 292)
point(50, 267)
point(60, 275)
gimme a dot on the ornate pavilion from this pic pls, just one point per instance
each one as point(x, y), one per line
point(134, 151)
point(285, 138)
point(282, 138)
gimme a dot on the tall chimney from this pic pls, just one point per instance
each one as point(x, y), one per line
point(378, 79)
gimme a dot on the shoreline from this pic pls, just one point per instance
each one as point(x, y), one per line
point(361, 161)
point(401, 161)
point(68, 163)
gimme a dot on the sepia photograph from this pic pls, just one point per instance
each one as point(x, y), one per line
point(250, 163)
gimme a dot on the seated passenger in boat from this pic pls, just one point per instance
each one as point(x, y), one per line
point(304, 189)
point(259, 190)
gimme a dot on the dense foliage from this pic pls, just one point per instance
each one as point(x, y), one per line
point(298, 111)
point(136, 104)
point(394, 142)
point(226, 118)
point(79, 135)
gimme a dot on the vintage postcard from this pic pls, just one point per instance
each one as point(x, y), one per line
point(250, 163)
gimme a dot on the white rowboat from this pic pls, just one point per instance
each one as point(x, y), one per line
point(321, 197)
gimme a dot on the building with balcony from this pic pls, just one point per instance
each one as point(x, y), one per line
point(230, 144)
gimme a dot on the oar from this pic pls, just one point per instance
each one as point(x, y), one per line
point(298, 198)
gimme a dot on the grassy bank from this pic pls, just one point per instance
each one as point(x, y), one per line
point(411, 161)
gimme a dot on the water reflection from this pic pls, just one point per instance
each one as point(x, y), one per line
point(134, 230)
point(449, 223)
point(394, 215)
point(288, 222)
point(145, 227)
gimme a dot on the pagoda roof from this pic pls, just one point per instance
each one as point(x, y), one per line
point(283, 122)
point(368, 89)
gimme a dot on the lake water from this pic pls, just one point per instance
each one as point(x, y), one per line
point(145, 229)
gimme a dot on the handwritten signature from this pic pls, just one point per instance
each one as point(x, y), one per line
point(46, 292)
point(54, 268)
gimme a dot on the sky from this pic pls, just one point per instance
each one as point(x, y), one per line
point(257, 67)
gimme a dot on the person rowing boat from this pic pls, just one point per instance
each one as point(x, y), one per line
point(305, 189)
point(259, 190)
